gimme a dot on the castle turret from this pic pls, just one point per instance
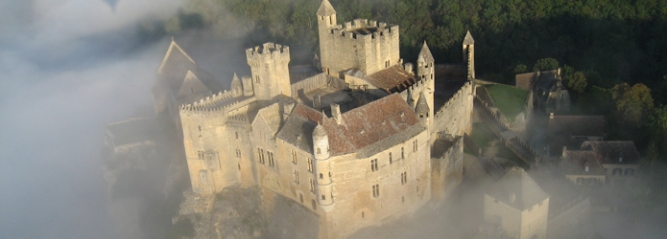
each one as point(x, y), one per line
point(426, 73)
point(469, 54)
point(423, 110)
point(323, 164)
point(270, 71)
point(237, 87)
point(326, 19)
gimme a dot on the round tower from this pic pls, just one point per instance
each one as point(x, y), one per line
point(322, 165)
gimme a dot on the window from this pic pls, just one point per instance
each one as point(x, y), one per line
point(386, 64)
point(312, 185)
point(402, 153)
point(403, 199)
point(629, 172)
point(390, 158)
point(293, 156)
point(260, 155)
point(271, 162)
point(200, 154)
point(319, 151)
point(415, 146)
point(324, 197)
point(199, 127)
point(301, 197)
point(257, 79)
point(374, 165)
point(404, 178)
point(321, 176)
point(617, 171)
point(376, 190)
point(313, 204)
point(237, 134)
point(362, 215)
point(239, 166)
point(310, 164)
point(296, 178)
point(238, 153)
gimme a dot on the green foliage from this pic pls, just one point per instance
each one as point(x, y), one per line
point(657, 128)
point(509, 100)
point(633, 104)
point(577, 82)
point(520, 68)
point(545, 64)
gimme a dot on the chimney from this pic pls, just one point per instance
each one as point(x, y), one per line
point(408, 68)
point(335, 112)
point(317, 102)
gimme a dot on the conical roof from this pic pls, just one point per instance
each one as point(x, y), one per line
point(422, 105)
point(326, 9)
point(319, 131)
point(468, 40)
point(425, 54)
point(236, 82)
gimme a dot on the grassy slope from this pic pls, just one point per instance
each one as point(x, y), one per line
point(508, 99)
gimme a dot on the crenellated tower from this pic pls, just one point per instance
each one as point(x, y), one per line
point(270, 70)
point(323, 164)
point(367, 45)
point(469, 55)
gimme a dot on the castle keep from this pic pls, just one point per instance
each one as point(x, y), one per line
point(350, 144)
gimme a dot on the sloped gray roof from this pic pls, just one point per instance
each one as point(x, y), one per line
point(525, 190)
point(422, 105)
point(425, 54)
point(468, 40)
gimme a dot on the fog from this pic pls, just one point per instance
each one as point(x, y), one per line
point(67, 68)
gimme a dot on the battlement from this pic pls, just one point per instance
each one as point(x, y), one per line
point(462, 92)
point(365, 29)
point(220, 102)
point(268, 51)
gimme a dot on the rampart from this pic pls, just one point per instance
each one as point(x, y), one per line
point(454, 117)
point(215, 104)
point(446, 167)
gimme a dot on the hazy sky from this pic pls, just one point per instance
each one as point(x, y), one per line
point(66, 72)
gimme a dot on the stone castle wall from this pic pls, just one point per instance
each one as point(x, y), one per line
point(454, 118)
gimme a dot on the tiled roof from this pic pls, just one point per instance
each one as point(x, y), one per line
point(613, 152)
point(518, 183)
point(575, 161)
point(524, 80)
point(363, 126)
point(393, 79)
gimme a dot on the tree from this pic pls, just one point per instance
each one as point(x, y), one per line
point(520, 68)
point(545, 64)
point(657, 128)
point(633, 104)
point(577, 82)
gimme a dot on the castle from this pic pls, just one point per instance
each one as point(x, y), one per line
point(352, 144)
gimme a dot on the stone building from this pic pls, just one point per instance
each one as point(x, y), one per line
point(351, 145)
point(547, 87)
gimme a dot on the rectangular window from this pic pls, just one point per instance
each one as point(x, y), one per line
point(271, 162)
point(415, 146)
point(293, 156)
point(404, 178)
point(390, 158)
point(200, 154)
point(260, 155)
point(312, 185)
point(238, 153)
point(296, 177)
point(402, 153)
point(257, 79)
point(374, 165)
point(236, 134)
point(310, 165)
point(376, 190)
